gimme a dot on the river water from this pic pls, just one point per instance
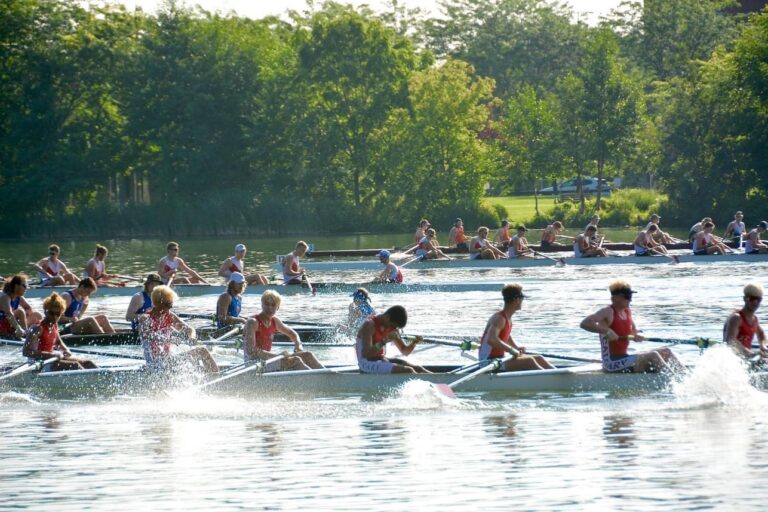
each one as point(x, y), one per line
point(698, 445)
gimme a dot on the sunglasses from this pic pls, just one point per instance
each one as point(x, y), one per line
point(52, 253)
point(753, 298)
point(24, 285)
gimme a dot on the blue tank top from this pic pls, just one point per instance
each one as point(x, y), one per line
point(14, 306)
point(74, 307)
point(147, 305)
point(234, 309)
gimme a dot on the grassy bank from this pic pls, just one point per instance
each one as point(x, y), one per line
point(521, 209)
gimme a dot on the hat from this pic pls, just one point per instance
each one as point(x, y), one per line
point(763, 224)
point(239, 247)
point(656, 216)
point(153, 278)
point(384, 253)
point(237, 278)
point(522, 228)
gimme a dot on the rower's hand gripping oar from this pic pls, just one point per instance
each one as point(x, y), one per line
point(495, 364)
point(560, 262)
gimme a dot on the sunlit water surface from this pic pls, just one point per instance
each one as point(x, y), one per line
point(698, 445)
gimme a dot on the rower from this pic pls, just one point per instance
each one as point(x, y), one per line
point(704, 242)
point(644, 243)
point(741, 326)
point(371, 342)
point(502, 235)
point(549, 236)
point(582, 244)
point(736, 229)
point(457, 238)
point(518, 246)
point(235, 264)
point(428, 248)
point(658, 235)
point(480, 248)
point(230, 302)
point(615, 326)
point(497, 339)
point(77, 301)
point(697, 227)
point(52, 271)
point(141, 302)
point(15, 312)
point(359, 309)
point(593, 221)
point(43, 340)
point(259, 334)
point(160, 328)
point(292, 271)
point(421, 230)
point(170, 264)
point(391, 273)
point(96, 268)
point(753, 244)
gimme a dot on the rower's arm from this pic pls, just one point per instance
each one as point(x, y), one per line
point(287, 264)
point(133, 306)
point(31, 343)
point(404, 348)
point(600, 323)
point(731, 335)
point(39, 267)
point(183, 265)
point(292, 335)
point(761, 339)
point(224, 269)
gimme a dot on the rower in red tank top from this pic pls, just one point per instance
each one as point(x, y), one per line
point(742, 326)
point(615, 325)
point(44, 342)
point(372, 337)
point(497, 340)
point(260, 331)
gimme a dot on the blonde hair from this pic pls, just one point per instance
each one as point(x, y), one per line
point(171, 245)
point(302, 243)
point(619, 284)
point(54, 301)
point(753, 290)
point(271, 296)
point(163, 295)
point(231, 286)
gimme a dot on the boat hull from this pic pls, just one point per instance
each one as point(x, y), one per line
point(324, 266)
point(106, 382)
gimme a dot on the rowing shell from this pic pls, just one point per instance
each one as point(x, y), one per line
point(137, 380)
point(344, 288)
point(321, 266)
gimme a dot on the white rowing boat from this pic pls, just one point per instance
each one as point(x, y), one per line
point(137, 380)
point(193, 290)
point(550, 261)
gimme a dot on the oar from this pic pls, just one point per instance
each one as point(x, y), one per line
point(78, 351)
point(564, 358)
point(560, 262)
point(674, 258)
point(224, 336)
point(699, 342)
point(247, 369)
point(409, 261)
point(28, 367)
point(495, 364)
point(463, 345)
point(307, 282)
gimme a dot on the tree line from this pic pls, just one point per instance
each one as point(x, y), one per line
point(117, 122)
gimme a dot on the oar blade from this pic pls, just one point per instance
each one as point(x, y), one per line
point(445, 390)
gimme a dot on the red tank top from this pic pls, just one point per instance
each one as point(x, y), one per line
point(49, 337)
point(746, 331)
point(159, 342)
point(622, 327)
point(460, 237)
point(380, 333)
point(503, 336)
point(265, 334)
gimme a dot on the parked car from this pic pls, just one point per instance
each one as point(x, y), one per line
point(589, 185)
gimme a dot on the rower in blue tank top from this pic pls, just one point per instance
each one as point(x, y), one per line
point(141, 302)
point(230, 302)
point(74, 308)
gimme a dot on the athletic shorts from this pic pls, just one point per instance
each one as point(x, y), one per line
point(621, 364)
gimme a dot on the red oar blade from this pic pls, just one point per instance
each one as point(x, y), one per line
point(445, 389)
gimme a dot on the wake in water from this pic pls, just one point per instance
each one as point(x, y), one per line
point(12, 397)
point(422, 395)
point(720, 378)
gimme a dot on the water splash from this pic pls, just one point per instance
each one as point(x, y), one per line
point(12, 397)
point(720, 378)
point(421, 395)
